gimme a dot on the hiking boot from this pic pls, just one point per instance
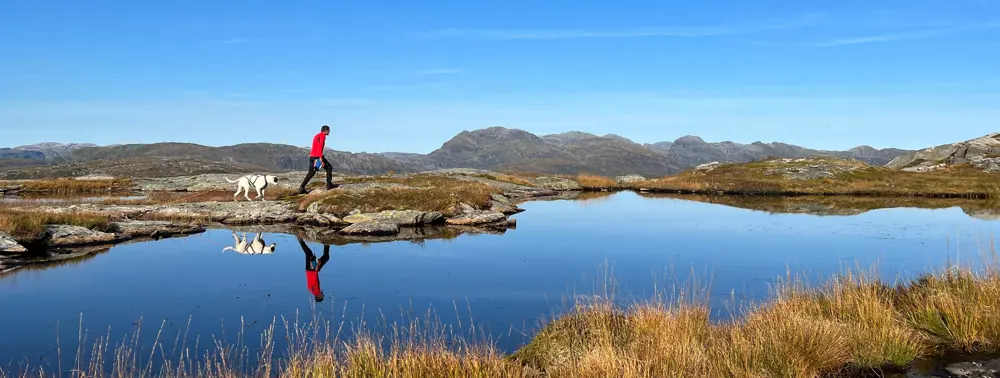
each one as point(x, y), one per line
point(302, 191)
point(331, 186)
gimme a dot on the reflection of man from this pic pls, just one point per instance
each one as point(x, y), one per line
point(313, 267)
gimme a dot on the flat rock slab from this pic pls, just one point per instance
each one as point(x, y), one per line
point(9, 245)
point(66, 236)
point(479, 217)
point(397, 217)
point(315, 219)
point(154, 229)
point(371, 228)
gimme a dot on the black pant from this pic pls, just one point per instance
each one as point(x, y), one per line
point(312, 172)
point(311, 263)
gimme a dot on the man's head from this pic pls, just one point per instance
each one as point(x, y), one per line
point(320, 296)
point(325, 129)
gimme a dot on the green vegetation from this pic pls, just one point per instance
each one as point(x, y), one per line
point(419, 192)
point(852, 325)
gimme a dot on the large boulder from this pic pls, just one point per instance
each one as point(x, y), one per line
point(154, 229)
point(397, 217)
point(68, 236)
point(557, 183)
point(371, 228)
point(10, 245)
point(319, 220)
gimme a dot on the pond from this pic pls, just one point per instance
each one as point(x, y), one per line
point(506, 284)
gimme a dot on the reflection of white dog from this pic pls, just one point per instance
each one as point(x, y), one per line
point(258, 182)
point(254, 247)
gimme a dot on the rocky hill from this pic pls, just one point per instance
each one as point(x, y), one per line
point(689, 151)
point(982, 152)
point(494, 148)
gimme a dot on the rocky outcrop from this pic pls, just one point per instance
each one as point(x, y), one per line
point(10, 245)
point(397, 217)
point(371, 228)
point(71, 236)
point(154, 229)
point(982, 153)
point(811, 168)
point(557, 183)
point(629, 179)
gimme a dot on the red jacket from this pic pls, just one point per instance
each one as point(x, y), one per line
point(319, 143)
point(312, 282)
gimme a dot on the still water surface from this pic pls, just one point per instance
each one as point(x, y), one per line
point(507, 282)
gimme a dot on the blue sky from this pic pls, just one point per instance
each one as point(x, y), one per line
point(406, 76)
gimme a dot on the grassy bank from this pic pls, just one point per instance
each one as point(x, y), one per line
point(419, 192)
point(849, 326)
point(848, 178)
point(70, 187)
point(29, 226)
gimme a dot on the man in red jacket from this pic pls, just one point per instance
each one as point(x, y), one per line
point(313, 267)
point(316, 158)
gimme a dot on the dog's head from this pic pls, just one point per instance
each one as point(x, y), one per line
point(274, 179)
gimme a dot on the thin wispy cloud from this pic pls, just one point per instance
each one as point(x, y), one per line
point(676, 32)
point(910, 35)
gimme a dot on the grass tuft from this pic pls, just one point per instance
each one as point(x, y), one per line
point(66, 187)
point(29, 226)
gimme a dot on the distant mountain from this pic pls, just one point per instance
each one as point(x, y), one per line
point(495, 148)
point(982, 153)
point(689, 151)
point(54, 151)
point(167, 159)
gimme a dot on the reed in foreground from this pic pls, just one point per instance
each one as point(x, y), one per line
point(851, 326)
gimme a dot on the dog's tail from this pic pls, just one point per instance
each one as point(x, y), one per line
point(228, 249)
point(231, 181)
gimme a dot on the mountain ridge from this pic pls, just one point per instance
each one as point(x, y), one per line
point(495, 148)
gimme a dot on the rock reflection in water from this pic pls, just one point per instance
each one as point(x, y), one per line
point(841, 205)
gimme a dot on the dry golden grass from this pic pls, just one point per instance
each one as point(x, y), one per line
point(849, 326)
point(66, 187)
point(592, 182)
point(753, 178)
point(510, 179)
point(28, 226)
point(420, 192)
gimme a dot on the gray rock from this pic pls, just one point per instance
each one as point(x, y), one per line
point(985, 369)
point(313, 208)
point(476, 218)
point(397, 217)
point(155, 229)
point(504, 207)
point(982, 152)
point(629, 179)
point(319, 220)
point(9, 245)
point(556, 183)
point(66, 236)
point(371, 228)
point(499, 198)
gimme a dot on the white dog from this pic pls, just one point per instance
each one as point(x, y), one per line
point(254, 247)
point(258, 182)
